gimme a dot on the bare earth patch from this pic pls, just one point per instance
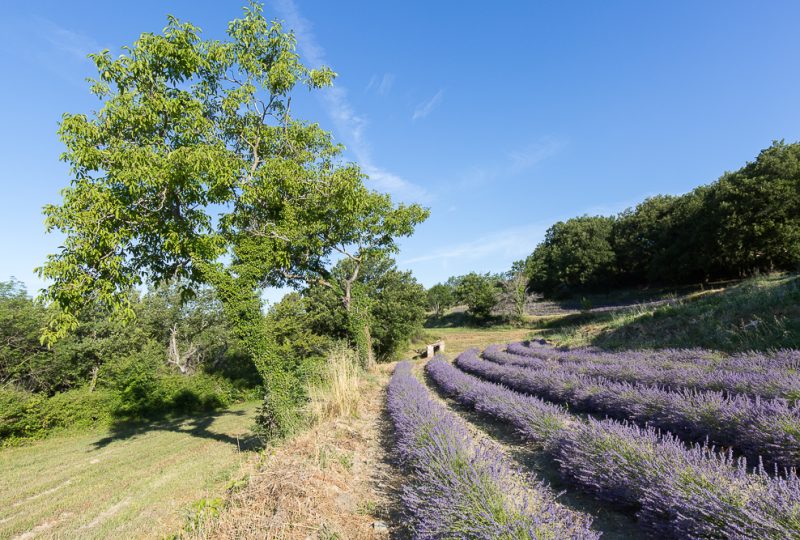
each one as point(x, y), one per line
point(332, 481)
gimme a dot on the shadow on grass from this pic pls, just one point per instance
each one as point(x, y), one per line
point(195, 426)
point(631, 297)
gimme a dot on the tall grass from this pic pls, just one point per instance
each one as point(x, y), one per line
point(337, 393)
point(761, 313)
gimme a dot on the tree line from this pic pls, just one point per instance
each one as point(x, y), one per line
point(748, 221)
point(182, 355)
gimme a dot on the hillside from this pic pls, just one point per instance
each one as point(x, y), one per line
point(757, 314)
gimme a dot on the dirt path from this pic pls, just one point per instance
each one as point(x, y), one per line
point(333, 481)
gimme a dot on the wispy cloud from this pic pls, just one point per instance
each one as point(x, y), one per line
point(426, 107)
point(506, 244)
point(381, 85)
point(73, 44)
point(61, 51)
point(512, 163)
point(349, 124)
point(523, 159)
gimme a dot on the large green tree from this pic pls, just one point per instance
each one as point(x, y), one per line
point(758, 210)
point(479, 292)
point(575, 254)
point(195, 156)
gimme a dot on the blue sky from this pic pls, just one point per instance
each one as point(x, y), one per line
point(502, 118)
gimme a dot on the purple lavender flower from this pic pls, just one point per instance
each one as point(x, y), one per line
point(679, 491)
point(756, 374)
point(760, 429)
point(462, 489)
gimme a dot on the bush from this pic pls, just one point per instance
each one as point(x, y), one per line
point(479, 292)
point(26, 415)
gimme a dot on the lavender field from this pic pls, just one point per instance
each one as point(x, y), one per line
point(688, 443)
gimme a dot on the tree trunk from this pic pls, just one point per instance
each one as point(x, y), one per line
point(369, 361)
point(185, 362)
point(93, 382)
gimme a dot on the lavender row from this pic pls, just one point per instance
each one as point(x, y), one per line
point(678, 492)
point(751, 362)
point(462, 489)
point(756, 428)
point(625, 367)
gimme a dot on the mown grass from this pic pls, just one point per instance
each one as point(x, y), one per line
point(130, 482)
point(459, 339)
point(761, 313)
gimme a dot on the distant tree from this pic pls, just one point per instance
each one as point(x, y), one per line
point(194, 331)
point(479, 292)
point(575, 255)
point(190, 128)
point(638, 236)
point(398, 312)
point(76, 360)
point(23, 360)
point(758, 210)
point(516, 285)
point(439, 298)
point(394, 300)
point(687, 247)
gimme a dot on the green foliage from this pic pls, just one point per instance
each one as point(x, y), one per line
point(575, 254)
point(440, 297)
point(201, 513)
point(758, 212)
point(190, 127)
point(22, 358)
point(386, 301)
point(479, 292)
point(25, 415)
point(398, 311)
point(746, 222)
point(184, 126)
point(298, 353)
point(107, 371)
point(28, 364)
point(516, 286)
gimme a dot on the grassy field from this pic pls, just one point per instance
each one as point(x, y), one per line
point(124, 483)
point(459, 339)
point(757, 314)
point(760, 313)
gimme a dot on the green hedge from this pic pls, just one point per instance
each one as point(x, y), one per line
point(26, 415)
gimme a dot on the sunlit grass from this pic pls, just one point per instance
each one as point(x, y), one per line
point(758, 314)
point(134, 485)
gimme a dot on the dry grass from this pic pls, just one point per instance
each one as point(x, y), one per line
point(338, 395)
point(328, 482)
point(460, 339)
point(130, 485)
